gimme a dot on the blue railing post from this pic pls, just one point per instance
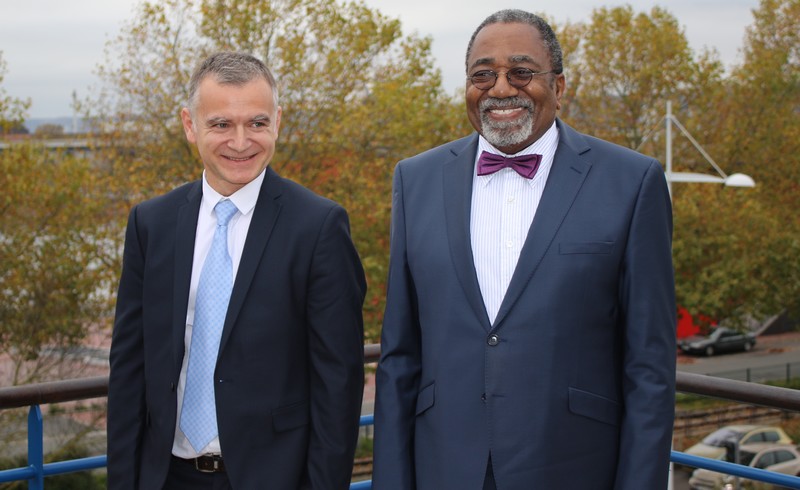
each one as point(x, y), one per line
point(36, 447)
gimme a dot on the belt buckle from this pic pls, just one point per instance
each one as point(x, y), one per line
point(203, 467)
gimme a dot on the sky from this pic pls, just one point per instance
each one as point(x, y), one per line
point(52, 47)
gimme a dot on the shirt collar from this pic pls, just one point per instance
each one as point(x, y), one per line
point(244, 199)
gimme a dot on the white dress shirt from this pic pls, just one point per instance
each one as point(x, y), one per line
point(503, 206)
point(245, 201)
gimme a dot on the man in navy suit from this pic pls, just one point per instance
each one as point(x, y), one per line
point(529, 335)
point(285, 382)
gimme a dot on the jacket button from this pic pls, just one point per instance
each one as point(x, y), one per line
point(493, 340)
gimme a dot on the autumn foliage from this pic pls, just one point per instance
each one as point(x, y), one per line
point(358, 95)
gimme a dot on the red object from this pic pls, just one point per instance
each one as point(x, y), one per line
point(686, 325)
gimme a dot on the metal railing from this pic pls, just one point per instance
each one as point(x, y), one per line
point(96, 387)
point(735, 469)
point(761, 374)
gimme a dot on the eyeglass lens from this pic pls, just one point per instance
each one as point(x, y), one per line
point(517, 77)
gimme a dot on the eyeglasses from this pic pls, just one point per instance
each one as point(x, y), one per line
point(517, 77)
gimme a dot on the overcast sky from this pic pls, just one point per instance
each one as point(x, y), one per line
point(51, 47)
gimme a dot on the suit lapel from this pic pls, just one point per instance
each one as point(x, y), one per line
point(566, 177)
point(185, 232)
point(457, 180)
point(265, 214)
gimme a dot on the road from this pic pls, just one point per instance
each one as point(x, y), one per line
point(767, 360)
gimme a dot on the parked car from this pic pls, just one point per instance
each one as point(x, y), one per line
point(722, 339)
point(779, 458)
point(713, 445)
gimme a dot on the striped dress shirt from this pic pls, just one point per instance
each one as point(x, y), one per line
point(503, 206)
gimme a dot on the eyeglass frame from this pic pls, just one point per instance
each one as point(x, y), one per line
point(508, 78)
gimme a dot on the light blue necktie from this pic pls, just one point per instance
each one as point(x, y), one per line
point(199, 412)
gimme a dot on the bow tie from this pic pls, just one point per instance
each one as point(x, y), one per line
point(525, 165)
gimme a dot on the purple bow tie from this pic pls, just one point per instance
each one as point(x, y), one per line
point(525, 165)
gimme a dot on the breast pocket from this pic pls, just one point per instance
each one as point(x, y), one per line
point(585, 248)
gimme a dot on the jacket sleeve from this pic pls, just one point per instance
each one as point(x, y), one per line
point(647, 296)
point(398, 374)
point(337, 287)
point(126, 399)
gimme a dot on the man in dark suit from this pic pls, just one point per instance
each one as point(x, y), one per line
point(277, 323)
point(529, 335)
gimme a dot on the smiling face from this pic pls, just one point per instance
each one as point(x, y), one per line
point(511, 118)
point(235, 128)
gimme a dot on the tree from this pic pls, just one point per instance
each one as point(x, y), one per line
point(12, 109)
point(56, 265)
point(734, 250)
point(56, 262)
point(750, 237)
point(571, 38)
point(357, 96)
point(49, 131)
point(625, 68)
point(764, 128)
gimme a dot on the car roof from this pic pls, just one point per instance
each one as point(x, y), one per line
point(730, 432)
point(747, 427)
point(761, 446)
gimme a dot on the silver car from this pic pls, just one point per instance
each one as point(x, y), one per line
point(778, 458)
point(713, 445)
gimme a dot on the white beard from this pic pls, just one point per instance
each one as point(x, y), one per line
point(506, 133)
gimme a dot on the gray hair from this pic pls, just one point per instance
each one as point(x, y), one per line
point(230, 68)
point(513, 16)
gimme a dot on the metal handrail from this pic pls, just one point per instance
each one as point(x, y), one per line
point(86, 388)
point(735, 469)
point(740, 391)
point(697, 384)
point(37, 394)
point(53, 392)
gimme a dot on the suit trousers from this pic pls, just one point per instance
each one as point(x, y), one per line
point(183, 475)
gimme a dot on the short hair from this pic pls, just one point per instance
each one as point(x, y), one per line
point(230, 68)
point(514, 16)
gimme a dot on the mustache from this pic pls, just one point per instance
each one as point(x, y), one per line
point(494, 103)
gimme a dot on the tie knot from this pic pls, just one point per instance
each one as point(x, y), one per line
point(524, 165)
point(225, 210)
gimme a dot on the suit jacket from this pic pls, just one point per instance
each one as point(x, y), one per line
point(289, 373)
point(573, 385)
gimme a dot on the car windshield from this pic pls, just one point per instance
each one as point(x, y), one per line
point(719, 437)
point(716, 334)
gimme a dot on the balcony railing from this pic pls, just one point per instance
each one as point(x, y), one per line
point(97, 387)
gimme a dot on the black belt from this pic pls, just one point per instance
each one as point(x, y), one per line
point(208, 463)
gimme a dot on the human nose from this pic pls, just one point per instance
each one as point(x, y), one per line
point(502, 86)
point(239, 139)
